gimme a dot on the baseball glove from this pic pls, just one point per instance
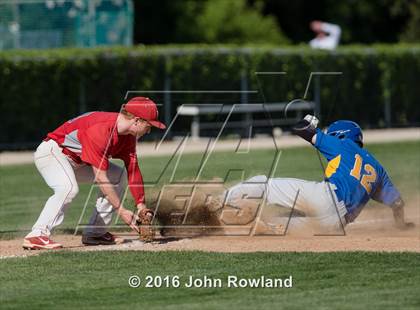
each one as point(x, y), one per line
point(144, 223)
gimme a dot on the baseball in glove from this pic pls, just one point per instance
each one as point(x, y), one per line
point(144, 223)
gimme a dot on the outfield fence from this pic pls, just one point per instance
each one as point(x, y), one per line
point(61, 23)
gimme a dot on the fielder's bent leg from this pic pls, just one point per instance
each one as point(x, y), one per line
point(58, 173)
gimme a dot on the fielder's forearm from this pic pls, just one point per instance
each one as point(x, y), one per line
point(111, 195)
point(101, 178)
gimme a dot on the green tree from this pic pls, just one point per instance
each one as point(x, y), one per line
point(364, 21)
point(411, 9)
point(232, 21)
point(361, 21)
point(206, 21)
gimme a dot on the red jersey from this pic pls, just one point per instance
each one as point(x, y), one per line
point(92, 138)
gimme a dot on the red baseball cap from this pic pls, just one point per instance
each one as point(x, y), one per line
point(144, 108)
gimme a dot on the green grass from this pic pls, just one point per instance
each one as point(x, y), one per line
point(68, 280)
point(23, 191)
point(99, 280)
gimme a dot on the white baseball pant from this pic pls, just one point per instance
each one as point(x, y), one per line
point(62, 175)
point(316, 199)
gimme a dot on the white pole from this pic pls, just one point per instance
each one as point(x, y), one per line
point(16, 35)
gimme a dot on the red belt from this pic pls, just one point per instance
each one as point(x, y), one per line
point(67, 152)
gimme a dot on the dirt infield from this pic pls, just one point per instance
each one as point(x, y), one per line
point(373, 231)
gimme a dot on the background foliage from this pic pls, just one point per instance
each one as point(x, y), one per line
point(97, 79)
point(217, 21)
point(274, 21)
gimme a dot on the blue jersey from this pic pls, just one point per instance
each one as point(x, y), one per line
point(357, 175)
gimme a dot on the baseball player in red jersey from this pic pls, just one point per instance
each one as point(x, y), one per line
point(79, 151)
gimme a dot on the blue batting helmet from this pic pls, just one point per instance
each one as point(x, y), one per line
point(346, 130)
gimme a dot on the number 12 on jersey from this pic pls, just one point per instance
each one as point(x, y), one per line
point(366, 179)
